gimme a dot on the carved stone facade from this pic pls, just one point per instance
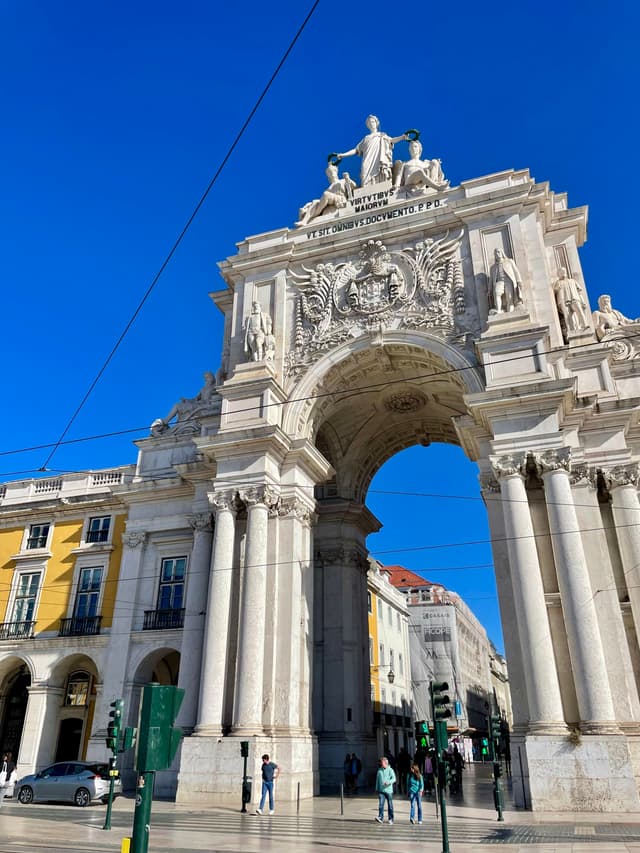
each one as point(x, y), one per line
point(414, 312)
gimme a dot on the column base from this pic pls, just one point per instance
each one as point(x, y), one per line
point(548, 727)
point(247, 731)
point(211, 768)
point(594, 773)
point(599, 727)
point(207, 731)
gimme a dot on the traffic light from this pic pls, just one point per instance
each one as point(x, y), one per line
point(422, 734)
point(244, 749)
point(495, 727)
point(485, 746)
point(158, 738)
point(115, 722)
point(441, 710)
point(130, 737)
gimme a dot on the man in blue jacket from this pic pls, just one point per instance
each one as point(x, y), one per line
point(385, 781)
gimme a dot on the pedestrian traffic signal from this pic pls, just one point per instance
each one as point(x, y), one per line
point(495, 727)
point(115, 722)
point(244, 749)
point(485, 746)
point(440, 710)
point(422, 734)
point(159, 739)
point(129, 739)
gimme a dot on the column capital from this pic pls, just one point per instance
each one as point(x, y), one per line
point(489, 485)
point(583, 474)
point(622, 475)
point(294, 507)
point(556, 459)
point(134, 538)
point(508, 465)
point(265, 494)
point(330, 556)
point(201, 521)
point(226, 499)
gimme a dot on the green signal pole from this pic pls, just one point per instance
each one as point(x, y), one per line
point(142, 813)
point(112, 781)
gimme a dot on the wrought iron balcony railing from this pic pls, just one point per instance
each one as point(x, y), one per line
point(80, 625)
point(162, 619)
point(16, 630)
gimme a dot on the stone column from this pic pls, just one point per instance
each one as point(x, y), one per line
point(247, 711)
point(291, 671)
point(41, 727)
point(194, 618)
point(541, 677)
point(216, 633)
point(622, 483)
point(581, 623)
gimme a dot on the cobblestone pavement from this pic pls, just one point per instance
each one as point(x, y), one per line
point(319, 827)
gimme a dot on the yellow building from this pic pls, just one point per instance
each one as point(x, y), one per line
point(60, 552)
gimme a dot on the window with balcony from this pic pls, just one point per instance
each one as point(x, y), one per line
point(20, 624)
point(98, 530)
point(170, 610)
point(38, 535)
point(85, 618)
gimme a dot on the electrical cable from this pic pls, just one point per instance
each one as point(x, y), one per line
point(182, 234)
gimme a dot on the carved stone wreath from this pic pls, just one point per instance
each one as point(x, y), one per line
point(420, 287)
point(405, 401)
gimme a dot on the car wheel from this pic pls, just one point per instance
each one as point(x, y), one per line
point(82, 797)
point(25, 795)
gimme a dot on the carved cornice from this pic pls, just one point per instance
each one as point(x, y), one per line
point(556, 459)
point(622, 475)
point(201, 521)
point(508, 465)
point(134, 538)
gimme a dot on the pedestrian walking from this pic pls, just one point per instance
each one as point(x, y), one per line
point(415, 787)
point(346, 768)
point(385, 780)
point(429, 779)
point(356, 770)
point(8, 775)
point(403, 765)
point(270, 772)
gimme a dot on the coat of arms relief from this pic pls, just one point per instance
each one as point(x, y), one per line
point(418, 287)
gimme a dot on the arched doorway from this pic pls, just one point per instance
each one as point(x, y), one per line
point(16, 693)
point(76, 678)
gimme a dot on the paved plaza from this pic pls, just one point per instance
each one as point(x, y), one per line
point(319, 827)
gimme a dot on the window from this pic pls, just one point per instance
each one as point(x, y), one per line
point(381, 661)
point(98, 530)
point(369, 602)
point(171, 592)
point(398, 620)
point(379, 609)
point(371, 651)
point(38, 534)
point(77, 688)
point(26, 594)
point(88, 594)
point(391, 658)
point(383, 696)
point(400, 664)
point(390, 614)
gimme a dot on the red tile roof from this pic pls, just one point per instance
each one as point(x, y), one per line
point(401, 577)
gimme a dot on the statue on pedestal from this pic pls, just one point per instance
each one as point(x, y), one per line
point(338, 193)
point(506, 284)
point(257, 328)
point(417, 175)
point(376, 150)
point(571, 302)
point(186, 407)
point(606, 319)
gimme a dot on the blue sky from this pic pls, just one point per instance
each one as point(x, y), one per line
point(115, 117)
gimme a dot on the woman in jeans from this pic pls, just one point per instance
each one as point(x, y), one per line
point(415, 787)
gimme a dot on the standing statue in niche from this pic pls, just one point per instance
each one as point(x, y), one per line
point(376, 150)
point(187, 406)
point(571, 302)
point(506, 284)
point(269, 340)
point(607, 319)
point(336, 196)
point(256, 329)
point(417, 175)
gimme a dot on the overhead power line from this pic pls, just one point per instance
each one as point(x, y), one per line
point(340, 395)
point(180, 237)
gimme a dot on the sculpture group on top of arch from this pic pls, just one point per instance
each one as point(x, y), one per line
point(407, 179)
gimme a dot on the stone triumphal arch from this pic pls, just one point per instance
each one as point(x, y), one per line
point(403, 311)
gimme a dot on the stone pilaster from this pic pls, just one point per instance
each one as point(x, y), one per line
point(622, 482)
point(218, 612)
point(197, 584)
point(247, 712)
point(581, 623)
point(41, 725)
point(540, 673)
